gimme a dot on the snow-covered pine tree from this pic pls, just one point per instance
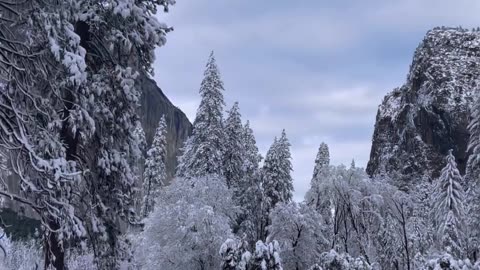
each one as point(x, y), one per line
point(276, 180)
point(203, 152)
point(139, 135)
point(155, 175)
point(266, 256)
point(43, 114)
point(119, 39)
point(234, 150)
point(276, 173)
point(78, 94)
point(252, 157)
point(472, 181)
point(449, 212)
point(249, 197)
point(317, 196)
point(235, 254)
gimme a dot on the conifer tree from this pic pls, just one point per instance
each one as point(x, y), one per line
point(235, 254)
point(266, 256)
point(155, 171)
point(449, 212)
point(317, 196)
point(138, 169)
point(472, 178)
point(234, 149)
point(252, 157)
point(71, 104)
point(276, 172)
point(204, 150)
point(249, 195)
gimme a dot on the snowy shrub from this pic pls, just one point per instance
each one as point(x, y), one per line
point(235, 255)
point(333, 261)
point(445, 261)
point(315, 267)
point(21, 255)
point(77, 260)
point(266, 256)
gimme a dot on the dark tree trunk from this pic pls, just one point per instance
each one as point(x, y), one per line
point(54, 253)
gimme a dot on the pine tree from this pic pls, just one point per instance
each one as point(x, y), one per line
point(266, 256)
point(203, 152)
point(249, 195)
point(71, 105)
point(155, 171)
point(322, 161)
point(317, 195)
point(235, 254)
point(138, 169)
point(234, 150)
point(120, 40)
point(252, 157)
point(449, 212)
point(472, 182)
point(276, 173)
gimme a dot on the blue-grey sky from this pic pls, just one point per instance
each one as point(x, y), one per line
point(319, 69)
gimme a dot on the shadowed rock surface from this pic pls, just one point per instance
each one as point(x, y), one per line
point(419, 122)
point(154, 104)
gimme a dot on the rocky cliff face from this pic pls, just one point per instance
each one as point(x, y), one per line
point(419, 122)
point(154, 104)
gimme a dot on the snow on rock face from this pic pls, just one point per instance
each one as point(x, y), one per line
point(419, 122)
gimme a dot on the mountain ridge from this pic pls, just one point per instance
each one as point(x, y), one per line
point(419, 122)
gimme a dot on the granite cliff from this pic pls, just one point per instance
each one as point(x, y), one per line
point(419, 122)
point(154, 104)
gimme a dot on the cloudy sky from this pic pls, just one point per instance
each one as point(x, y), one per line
point(319, 69)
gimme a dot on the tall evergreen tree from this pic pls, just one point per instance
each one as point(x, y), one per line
point(138, 169)
point(313, 197)
point(203, 152)
point(249, 195)
point(234, 149)
point(474, 130)
point(155, 175)
point(449, 212)
point(252, 157)
point(276, 173)
point(71, 104)
point(472, 181)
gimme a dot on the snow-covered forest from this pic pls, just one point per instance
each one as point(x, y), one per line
point(72, 140)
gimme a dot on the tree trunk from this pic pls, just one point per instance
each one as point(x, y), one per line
point(54, 253)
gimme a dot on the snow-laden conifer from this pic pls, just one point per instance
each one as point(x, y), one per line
point(234, 155)
point(154, 176)
point(203, 152)
point(276, 173)
point(449, 211)
point(249, 196)
point(317, 196)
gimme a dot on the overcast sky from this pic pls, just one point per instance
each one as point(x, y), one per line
point(319, 69)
